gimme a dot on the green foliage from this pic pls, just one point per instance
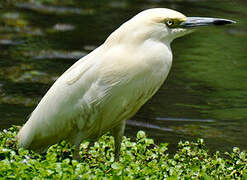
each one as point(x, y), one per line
point(141, 159)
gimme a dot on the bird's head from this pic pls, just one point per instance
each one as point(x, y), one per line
point(163, 24)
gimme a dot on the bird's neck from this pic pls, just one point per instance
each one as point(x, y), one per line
point(132, 34)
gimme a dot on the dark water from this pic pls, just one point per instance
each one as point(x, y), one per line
point(204, 96)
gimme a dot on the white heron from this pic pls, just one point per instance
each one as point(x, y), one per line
point(105, 88)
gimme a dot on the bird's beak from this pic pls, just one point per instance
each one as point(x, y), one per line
point(203, 21)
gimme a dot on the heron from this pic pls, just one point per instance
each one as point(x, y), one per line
point(103, 89)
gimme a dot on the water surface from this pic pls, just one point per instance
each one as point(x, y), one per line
point(204, 95)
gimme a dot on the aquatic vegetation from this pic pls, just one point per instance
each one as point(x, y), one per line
point(141, 158)
point(40, 39)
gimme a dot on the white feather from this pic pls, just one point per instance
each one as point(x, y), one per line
point(106, 87)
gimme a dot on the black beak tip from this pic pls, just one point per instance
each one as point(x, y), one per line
point(223, 22)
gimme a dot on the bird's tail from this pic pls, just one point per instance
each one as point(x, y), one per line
point(25, 136)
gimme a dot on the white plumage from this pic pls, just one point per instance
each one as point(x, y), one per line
point(108, 86)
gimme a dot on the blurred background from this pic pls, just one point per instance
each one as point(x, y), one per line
point(204, 96)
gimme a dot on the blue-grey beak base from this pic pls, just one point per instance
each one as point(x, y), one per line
point(203, 21)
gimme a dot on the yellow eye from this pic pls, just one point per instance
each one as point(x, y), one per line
point(169, 22)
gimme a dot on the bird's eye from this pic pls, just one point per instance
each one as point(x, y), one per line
point(169, 22)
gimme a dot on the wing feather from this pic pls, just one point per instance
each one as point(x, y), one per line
point(55, 115)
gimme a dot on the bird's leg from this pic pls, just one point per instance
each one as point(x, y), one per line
point(76, 155)
point(118, 133)
point(77, 142)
